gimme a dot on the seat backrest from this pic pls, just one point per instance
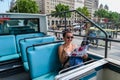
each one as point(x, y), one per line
point(7, 45)
point(30, 41)
point(43, 59)
point(22, 36)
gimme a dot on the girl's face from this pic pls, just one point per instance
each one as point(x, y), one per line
point(68, 37)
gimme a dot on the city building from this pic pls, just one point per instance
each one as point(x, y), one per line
point(95, 6)
point(46, 6)
point(78, 3)
point(92, 6)
point(12, 4)
point(106, 7)
point(103, 7)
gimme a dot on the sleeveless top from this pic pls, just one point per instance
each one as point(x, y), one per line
point(68, 53)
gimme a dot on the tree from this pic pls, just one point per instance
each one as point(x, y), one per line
point(101, 13)
point(84, 11)
point(111, 16)
point(60, 8)
point(114, 16)
point(25, 6)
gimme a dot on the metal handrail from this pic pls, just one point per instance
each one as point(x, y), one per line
point(73, 67)
point(106, 36)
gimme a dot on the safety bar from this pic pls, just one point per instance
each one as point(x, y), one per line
point(73, 67)
point(42, 44)
point(106, 36)
point(46, 43)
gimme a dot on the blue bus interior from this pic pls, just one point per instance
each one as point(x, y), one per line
point(29, 51)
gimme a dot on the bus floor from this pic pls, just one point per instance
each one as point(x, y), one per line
point(22, 75)
point(18, 76)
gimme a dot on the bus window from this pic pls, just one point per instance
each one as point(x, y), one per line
point(19, 26)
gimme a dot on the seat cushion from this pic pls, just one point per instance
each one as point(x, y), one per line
point(22, 36)
point(7, 45)
point(9, 57)
point(26, 67)
point(48, 76)
point(43, 59)
point(29, 42)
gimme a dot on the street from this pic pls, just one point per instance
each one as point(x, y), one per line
point(113, 52)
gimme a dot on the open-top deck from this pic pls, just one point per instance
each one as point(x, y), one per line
point(29, 51)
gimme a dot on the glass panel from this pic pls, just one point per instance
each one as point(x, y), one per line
point(19, 26)
point(83, 27)
point(114, 51)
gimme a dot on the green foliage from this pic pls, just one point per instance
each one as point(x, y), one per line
point(84, 11)
point(60, 8)
point(101, 13)
point(112, 16)
point(25, 6)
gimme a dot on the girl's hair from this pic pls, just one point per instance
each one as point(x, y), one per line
point(66, 31)
point(83, 43)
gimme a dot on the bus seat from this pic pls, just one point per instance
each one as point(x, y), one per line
point(43, 61)
point(30, 30)
point(29, 42)
point(12, 22)
point(18, 37)
point(20, 30)
point(48, 76)
point(8, 48)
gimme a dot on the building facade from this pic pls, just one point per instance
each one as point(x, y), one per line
point(92, 6)
point(12, 4)
point(78, 3)
point(46, 6)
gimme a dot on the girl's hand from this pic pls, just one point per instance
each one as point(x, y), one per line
point(85, 56)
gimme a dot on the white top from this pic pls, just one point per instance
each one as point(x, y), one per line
point(80, 51)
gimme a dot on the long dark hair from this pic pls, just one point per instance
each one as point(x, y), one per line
point(84, 43)
point(66, 31)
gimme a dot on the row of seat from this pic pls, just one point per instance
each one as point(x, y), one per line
point(43, 60)
point(44, 63)
point(9, 45)
point(40, 57)
point(21, 29)
point(8, 49)
point(24, 43)
point(39, 53)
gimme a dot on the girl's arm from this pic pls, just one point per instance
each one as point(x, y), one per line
point(62, 55)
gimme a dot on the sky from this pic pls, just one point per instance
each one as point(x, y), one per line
point(114, 5)
point(4, 5)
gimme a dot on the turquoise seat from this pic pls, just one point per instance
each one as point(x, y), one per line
point(43, 61)
point(22, 36)
point(29, 42)
point(8, 50)
point(48, 76)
